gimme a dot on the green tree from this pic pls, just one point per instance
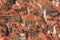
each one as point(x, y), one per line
point(12, 1)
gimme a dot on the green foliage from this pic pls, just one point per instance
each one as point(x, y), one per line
point(12, 1)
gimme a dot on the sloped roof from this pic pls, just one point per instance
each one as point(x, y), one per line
point(45, 2)
point(18, 24)
point(9, 13)
point(15, 6)
point(21, 13)
point(14, 35)
point(2, 20)
point(24, 17)
point(28, 17)
point(57, 8)
point(31, 17)
point(39, 18)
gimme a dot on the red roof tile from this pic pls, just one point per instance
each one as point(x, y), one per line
point(38, 18)
point(21, 13)
point(24, 17)
point(45, 2)
point(18, 24)
point(42, 36)
point(30, 17)
point(14, 35)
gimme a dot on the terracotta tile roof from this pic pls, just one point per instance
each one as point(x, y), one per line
point(48, 17)
point(19, 0)
point(30, 17)
point(4, 1)
point(42, 23)
point(23, 5)
point(15, 6)
point(2, 20)
point(36, 7)
point(55, 36)
point(42, 36)
point(54, 8)
point(45, 2)
point(33, 21)
point(34, 25)
point(39, 18)
point(18, 24)
point(9, 13)
point(2, 38)
point(14, 35)
point(24, 17)
point(57, 8)
point(3, 28)
point(21, 13)
point(6, 38)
